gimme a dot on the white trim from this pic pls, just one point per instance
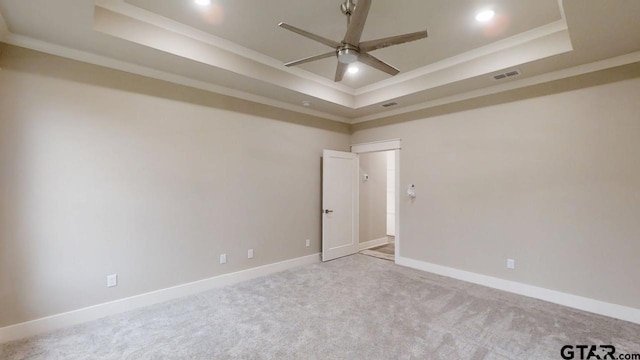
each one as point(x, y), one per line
point(140, 14)
point(4, 29)
point(512, 85)
point(79, 316)
point(143, 15)
point(87, 57)
point(384, 145)
point(577, 302)
point(373, 243)
point(500, 45)
point(397, 196)
point(387, 145)
point(54, 49)
point(50, 48)
point(562, 13)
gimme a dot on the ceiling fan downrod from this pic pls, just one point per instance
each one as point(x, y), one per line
point(347, 8)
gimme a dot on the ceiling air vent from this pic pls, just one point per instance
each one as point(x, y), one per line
point(393, 103)
point(508, 74)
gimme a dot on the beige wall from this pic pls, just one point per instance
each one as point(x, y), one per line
point(373, 196)
point(105, 172)
point(552, 181)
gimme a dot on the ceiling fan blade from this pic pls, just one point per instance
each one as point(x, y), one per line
point(310, 58)
point(356, 25)
point(342, 68)
point(318, 38)
point(392, 40)
point(376, 63)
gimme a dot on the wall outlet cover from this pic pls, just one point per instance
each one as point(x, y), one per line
point(223, 259)
point(112, 280)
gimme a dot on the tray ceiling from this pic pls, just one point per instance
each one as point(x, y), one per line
point(234, 47)
point(452, 29)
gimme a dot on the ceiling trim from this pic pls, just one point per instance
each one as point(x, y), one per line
point(144, 16)
point(58, 50)
point(538, 43)
point(538, 48)
point(4, 29)
point(54, 49)
point(124, 8)
point(562, 13)
point(500, 45)
point(534, 80)
point(158, 38)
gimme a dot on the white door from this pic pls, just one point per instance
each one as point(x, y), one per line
point(339, 204)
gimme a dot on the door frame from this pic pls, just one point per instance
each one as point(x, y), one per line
point(378, 146)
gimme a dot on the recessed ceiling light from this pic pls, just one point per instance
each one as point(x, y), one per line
point(353, 69)
point(484, 16)
point(202, 2)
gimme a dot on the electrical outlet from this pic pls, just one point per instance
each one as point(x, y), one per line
point(511, 264)
point(112, 280)
point(250, 254)
point(308, 242)
point(223, 259)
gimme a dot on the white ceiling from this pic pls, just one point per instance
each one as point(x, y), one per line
point(450, 23)
point(235, 46)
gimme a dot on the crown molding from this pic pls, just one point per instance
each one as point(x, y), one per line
point(54, 49)
point(123, 8)
point(87, 57)
point(58, 50)
point(134, 12)
point(225, 63)
point(4, 29)
point(513, 85)
point(545, 41)
point(495, 47)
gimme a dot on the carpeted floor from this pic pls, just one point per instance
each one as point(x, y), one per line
point(356, 307)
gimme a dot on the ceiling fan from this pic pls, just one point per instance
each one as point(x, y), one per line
point(351, 49)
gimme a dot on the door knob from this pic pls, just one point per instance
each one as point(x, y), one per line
point(328, 211)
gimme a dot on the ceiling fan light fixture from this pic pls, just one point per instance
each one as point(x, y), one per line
point(202, 2)
point(353, 69)
point(348, 55)
point(486, 15)
point(351, 49)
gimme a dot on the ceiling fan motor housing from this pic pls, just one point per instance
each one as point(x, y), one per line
point(348, 54)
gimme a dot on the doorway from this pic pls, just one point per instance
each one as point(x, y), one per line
point(341, 181)
point(377, 204)
point(384, 158)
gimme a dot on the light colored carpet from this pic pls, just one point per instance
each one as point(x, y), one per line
point(356, 307)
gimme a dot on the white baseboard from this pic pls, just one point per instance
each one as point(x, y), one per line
point(50, 323)
point(373, 243)
point(577, 302)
